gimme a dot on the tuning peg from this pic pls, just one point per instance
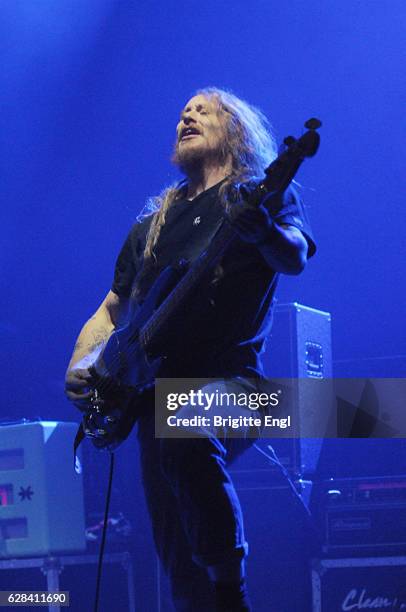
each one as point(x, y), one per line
point(289, 141)
point(313, 124)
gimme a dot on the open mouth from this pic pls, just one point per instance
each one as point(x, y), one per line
point(189, 132)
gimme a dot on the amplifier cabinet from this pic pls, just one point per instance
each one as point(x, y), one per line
point(299, 348)
point(362, 515)
point(279, 532)
point(370, 583)
point(299, 345)
point(375, 528)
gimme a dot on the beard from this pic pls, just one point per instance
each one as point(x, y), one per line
point(189, 158)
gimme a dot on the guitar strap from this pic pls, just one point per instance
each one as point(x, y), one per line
point(80, 434)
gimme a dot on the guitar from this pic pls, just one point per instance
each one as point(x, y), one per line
point(123, 369)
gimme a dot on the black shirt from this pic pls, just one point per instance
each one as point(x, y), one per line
point(221, 329)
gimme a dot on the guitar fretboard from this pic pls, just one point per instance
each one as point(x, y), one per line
point(190, 281)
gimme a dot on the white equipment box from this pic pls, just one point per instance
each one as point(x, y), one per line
point(41, 493)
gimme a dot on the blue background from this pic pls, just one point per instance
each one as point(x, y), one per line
point(91, 93)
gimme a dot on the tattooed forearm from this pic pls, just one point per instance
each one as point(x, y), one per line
point(95, 333)
point(78, 346)
point(100, 335)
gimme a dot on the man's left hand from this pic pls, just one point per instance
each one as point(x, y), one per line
point(252, 223)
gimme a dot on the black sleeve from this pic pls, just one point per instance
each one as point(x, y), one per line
point(126, 267)
point(291, 211)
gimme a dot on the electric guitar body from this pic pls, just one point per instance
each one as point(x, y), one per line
point(123, 369)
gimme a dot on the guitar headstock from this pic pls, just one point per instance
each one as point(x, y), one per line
point(307, 145)
point(292, 153)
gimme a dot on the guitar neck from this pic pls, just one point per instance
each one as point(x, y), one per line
point(224, 236)
point(276, 180)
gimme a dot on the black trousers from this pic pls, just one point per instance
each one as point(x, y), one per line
point(195, 511)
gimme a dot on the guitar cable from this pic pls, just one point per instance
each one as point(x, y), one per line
point(103, 540)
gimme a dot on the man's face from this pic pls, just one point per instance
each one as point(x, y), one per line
point(199, 133)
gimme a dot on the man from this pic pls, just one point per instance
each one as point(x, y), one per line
point(221, 142)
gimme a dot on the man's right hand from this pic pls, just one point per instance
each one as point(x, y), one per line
point(78, 387)
point(79, 382)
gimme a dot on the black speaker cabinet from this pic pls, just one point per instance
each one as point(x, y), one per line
point(367, 583)
point(299, 347)
point(279, 530)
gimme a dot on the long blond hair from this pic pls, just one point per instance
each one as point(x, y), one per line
point(248, 139)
